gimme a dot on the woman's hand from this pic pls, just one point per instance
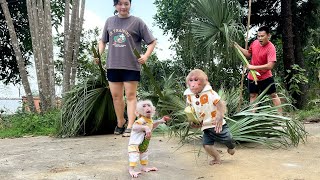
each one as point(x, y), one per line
point(96, 60)
point(143, 59)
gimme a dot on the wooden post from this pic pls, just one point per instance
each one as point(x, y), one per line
point(244, 68)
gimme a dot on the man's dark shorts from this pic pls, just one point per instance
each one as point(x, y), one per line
point(262, 85)
point(122, 75)
point(224, 137)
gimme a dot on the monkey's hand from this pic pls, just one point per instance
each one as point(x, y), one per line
point(148, 132)
point(166, 118)
point(218, 127)
point(195, 125)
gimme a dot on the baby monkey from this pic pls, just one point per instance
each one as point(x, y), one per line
point(140, 137)
point(209, 110)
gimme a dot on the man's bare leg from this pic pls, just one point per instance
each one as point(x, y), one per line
point(213, 153)
point(276, 101)
point(253, 97)
point(133, 173)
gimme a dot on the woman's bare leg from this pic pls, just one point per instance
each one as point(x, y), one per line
point(131, 96)
point(116, 89)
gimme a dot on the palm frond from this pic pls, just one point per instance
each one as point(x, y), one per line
point(265, 126)
point(88, 107)
point(217, 24)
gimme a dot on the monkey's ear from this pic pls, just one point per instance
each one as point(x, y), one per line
point(153, 110)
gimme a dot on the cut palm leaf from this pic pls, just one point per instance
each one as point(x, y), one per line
point(246, 63)
point(149, 74)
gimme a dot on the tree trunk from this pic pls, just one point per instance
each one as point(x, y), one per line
point(287, 39)
point(69, 40)
point(34, 32)
point(20, 60)
point(45, 101)
point(49, 42)
point(299, 59)
point(77, 43)
point(39, 15)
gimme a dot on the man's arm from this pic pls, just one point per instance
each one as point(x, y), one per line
point(267, 66)
point(244, 51)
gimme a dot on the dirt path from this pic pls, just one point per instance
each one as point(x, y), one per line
point(105, 157)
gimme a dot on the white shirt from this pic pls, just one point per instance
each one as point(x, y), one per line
point(204, 105)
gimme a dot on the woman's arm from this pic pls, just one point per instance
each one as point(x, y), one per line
point(101, 47)
point(143, 59)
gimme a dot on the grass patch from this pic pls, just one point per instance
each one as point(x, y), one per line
point(309, 115)
point(29, 124)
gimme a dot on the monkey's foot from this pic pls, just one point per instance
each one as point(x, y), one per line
point(148, 169)
point(213, 162)
point(231, 151)
point(134, 174)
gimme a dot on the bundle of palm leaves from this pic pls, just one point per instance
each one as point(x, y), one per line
point(264, 126)
point(88, 108)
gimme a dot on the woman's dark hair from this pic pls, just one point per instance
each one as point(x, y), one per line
point(115, 2)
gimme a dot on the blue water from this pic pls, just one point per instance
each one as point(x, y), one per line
point(10, 106)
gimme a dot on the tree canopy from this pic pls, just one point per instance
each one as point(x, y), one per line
point(9, 72)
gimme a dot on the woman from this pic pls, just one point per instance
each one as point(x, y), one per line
point(125, 32)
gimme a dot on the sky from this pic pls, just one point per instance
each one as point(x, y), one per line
point(96, 13)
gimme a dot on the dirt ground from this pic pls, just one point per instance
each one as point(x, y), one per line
point(105, 158)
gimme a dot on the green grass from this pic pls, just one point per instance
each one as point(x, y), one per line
point(308, 115)
point(29, 124)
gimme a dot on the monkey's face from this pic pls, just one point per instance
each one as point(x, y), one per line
point(148, 110)
point(195, 84)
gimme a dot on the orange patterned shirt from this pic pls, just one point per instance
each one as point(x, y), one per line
point(204, 105)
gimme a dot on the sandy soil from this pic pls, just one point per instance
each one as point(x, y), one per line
point(105, 157)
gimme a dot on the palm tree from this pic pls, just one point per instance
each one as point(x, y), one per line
point(217, 24)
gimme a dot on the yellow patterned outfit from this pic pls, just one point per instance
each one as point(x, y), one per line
point(136, 139)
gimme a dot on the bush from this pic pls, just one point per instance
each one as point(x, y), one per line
point(29, 124)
